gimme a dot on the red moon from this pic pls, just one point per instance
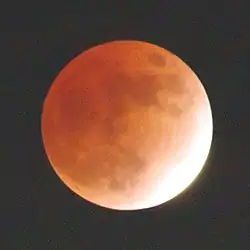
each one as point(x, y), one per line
point(127, 125)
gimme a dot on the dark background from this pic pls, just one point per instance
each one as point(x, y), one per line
point(38, 211)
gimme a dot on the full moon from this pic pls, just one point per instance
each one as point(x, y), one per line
point(127, 125)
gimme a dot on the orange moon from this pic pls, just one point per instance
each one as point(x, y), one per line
point(127, 125)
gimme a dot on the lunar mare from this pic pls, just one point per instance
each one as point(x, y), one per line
point(127, 125)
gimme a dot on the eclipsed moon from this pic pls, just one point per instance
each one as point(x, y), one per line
point(127, 125)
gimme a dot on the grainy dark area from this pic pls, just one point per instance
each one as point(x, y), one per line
point(39, 39)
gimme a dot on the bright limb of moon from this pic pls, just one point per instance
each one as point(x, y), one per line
point(183, 174)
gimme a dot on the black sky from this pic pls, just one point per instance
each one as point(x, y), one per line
point(38, 211)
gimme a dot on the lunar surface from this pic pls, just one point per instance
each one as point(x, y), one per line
point(127, 125)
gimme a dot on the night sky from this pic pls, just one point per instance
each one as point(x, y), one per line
point(39, 212)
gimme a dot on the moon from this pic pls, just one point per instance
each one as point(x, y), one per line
point(127, 125)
